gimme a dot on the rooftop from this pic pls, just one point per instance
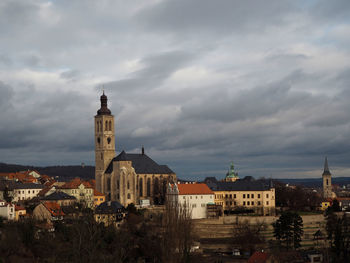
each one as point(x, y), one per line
point(194, 189)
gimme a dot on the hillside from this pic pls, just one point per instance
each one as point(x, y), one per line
point(314, 182)
point(63, 173)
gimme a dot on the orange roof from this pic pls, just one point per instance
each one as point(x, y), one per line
point(54, 208)
point(18, 207)
point(192, 189)
point(97, 193)
point(258, 257)
point(24, 177)
point(75, 184)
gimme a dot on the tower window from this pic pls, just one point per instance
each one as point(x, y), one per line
point(128, 185)
point(327, 182)
point(106, 126)
point(98, 140)
point(128, 196)
point(109, 140)
point(110, 125)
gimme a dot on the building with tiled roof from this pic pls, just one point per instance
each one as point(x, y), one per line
point(194, 197)
point(48, 211)
point(99, 198)
point(245, 194)
point(20, 212)
point(110, 213)
point(7, 210)
point(81, 190)
point(258, 257)
point(61, 198)
point(129, 177)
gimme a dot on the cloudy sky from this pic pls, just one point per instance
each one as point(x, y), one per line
point(199, 83)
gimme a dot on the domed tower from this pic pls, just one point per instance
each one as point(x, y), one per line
point(231, 175)
point(104, 142)
point(327, 183)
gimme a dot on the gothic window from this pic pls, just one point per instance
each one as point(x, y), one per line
point(110, 125)
point(148, 187)
point(118, 185)
point(109, 140)
point(128, 185)
point(101, 128)
point(108, 184)
point(106, 126)
point(98, 126)
point(128, 196)
point(141, 187)
point(327, 181)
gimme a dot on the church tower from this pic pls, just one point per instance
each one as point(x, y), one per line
point(327, 183)
point(104, 142)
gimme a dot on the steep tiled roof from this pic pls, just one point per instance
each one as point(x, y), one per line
point(141, 163)
point(258, 257)
point(58, 196)
point(109, 207)
point(75, 184)
point(193, 189)
point(240, 185)
point(97, 193)
point(54, 208)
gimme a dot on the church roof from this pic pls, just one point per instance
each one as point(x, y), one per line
point(141, 163)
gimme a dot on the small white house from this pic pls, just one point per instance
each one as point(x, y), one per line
point(195, 197)
point(7, 210)
point(26, 191)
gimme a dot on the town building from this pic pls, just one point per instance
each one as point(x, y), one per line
point(129, 177)
point(20, 212)
point(61, 198)
point(81, 190)
point(110, 213)
point(193, 197)
point(248, 194)
point(25, 191)
point(48, 211)
point(99, 198)
point(7, 210)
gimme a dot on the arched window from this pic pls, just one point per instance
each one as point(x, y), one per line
point(106, 126)
point(141, 187)
point(118, 184)
point(128, 196)
point(128, 185)
point(108, 184)
point(148, 187)
point(110, 125)
point(98, 126)
point(327, 181)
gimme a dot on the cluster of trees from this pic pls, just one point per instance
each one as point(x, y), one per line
point(338, 233)
point(166, 237)
point(296, 198)
point(288, 230)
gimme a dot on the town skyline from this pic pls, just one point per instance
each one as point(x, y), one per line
point(197, 92)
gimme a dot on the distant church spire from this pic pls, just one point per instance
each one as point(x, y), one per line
point(104, 109)
point(326, 169)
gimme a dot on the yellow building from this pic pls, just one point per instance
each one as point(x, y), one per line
point(247, 193)
point(99, 198)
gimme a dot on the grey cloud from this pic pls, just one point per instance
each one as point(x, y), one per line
point(215, 16)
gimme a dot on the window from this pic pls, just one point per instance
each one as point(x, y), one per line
point(191, 197)
point(252, 195)
point(128, 185)
point(248, 203)
point(243, 195)
point(247, 195)
point(194, 205)
point(252, 202)
point(202, 205)
point(267, 195)
point(234, 196)
point(230, 202)
point(33, 191)
point(267, 202)
point(258, 195)
point(243, 202)
point(101, 199)
point(226, 196)
point(231, 196)
point(226, 202)
point(201, 196)
point(184, 198)
point(196, 197)
point(128, 196)
point(235, 203)
point(327, 182)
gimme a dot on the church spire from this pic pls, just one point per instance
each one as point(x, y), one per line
point(104, 109)
point(326, 169)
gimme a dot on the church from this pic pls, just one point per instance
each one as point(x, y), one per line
point(128, 177)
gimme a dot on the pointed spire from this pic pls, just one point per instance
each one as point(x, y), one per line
point(143, 150)
point(326, 168)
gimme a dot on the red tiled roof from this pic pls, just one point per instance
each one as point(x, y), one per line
point(97, 193)
point(54, 208)
point(192, 189)
point(75, 184)
point(258, 257)
point(18, 207)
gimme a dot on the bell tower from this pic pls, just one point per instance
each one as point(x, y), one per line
point(104, 142)
point(327, 183)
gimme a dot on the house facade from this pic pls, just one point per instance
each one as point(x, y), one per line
point(7, 210)
point(194, 197)
point(81, 190)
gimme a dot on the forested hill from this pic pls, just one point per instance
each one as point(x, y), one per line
point(64, 173)
point(315, 182)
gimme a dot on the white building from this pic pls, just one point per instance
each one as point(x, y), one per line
point(7, 210)
point(26, 191)
point(194, 196)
